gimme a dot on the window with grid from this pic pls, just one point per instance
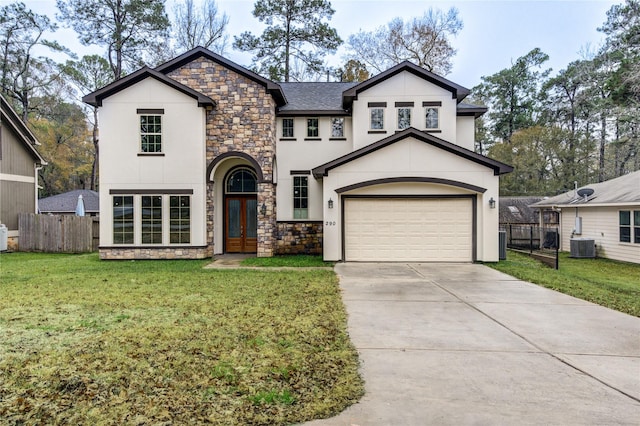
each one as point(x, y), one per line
point(629, 226)
point(337, 127)
point(377, 118)
point(431, 118)
point(312, 128)
point(404, 118)
point(123, 220)
point(287, 127)
point(179, 219)
point(151, 133)
point(151, 219)
point(300, 197)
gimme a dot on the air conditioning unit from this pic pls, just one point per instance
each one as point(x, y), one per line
point(583, 247)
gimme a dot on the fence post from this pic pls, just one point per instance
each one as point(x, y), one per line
point(557, 247)
point(530, 239)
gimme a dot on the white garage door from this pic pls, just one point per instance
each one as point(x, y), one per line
point(412, 230)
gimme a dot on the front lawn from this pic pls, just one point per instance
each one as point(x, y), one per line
point(296, 261)
point(84, 341)
point(615, 285)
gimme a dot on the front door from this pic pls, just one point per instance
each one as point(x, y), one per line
point(241, 224)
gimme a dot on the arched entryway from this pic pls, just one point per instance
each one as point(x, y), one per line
point(241, 210)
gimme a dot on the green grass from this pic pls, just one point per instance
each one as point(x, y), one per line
point(615, 285)
point(296, 261)
point(84, 341)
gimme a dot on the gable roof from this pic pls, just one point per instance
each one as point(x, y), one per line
point(314, 98)
point(517, 210)
point(25, 137)
point(498, 167)
point(96, 98)
point(457, 92)
point(66, 202)
point(272, 87)
point(621, 190)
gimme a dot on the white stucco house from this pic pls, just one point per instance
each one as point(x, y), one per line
point(200, 156)
point(607, 213)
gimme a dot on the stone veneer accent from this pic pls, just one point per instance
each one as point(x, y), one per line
point(126, 253)
point(299, 238)
point(245, 121)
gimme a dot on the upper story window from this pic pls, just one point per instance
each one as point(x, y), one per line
point(337, 127)
point(432, 115)
point(300, 197)
point(312, 128)
point(629, 226)
point(150, 130)
point(376, 115)
point(287, 127)
point(404, 118)
point(377, 118)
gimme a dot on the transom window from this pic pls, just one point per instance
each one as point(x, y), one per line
point(337, 127)
point(404, 118)
point(312, 128)
point(300, 197)
point(150, 133)
point(629, 226)
point(431, 118)
point(287, 127)
point(242, 180)
point(377, 118)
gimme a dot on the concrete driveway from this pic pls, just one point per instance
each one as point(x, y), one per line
point(465, 344)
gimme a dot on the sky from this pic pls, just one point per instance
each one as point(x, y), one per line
point(495, 33)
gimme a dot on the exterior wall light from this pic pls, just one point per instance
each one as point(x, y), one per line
point(492, 203)
point(263, 209)
point(330, 203)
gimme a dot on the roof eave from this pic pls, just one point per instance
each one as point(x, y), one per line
point(26, 137)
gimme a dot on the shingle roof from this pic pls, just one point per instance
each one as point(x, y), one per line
point(66, 202)
point(621, 190)
point(314, 98)
point(518, 210)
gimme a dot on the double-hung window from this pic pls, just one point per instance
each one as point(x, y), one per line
point(179, 219)
point(629, 221)
point(300, 197)
point(376, 116)
point(337, 127)
point(432, 115)
point(123, 225)
point(150, 131)
point(152, 219)
point(287, 127)
point(312, 128)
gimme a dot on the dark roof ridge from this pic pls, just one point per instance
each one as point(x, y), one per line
point(271, 86)
point(498, 167)
point(95, 98)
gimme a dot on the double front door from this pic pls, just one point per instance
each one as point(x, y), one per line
point(241, 224)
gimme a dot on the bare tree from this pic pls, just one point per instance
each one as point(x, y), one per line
point(423, 40)
point(204, 27)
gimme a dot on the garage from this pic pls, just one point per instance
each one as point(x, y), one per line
point(408, 229)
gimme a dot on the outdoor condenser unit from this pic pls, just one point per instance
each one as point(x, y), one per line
point(582, 247)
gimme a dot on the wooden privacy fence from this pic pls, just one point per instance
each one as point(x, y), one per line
point(57, 233)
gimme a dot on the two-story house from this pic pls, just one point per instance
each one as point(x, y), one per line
point(201, 156)
point(19, 165)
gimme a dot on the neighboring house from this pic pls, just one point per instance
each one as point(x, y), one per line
point(201, 156)
point(19, 165)
point(518, 211)
point(607, 212)
point(67, 202)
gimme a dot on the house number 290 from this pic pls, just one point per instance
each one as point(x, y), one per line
point(330, 223)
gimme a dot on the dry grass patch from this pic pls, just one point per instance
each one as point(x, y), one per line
point(90, 342)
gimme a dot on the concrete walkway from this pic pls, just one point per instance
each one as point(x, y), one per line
point(462, 344)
